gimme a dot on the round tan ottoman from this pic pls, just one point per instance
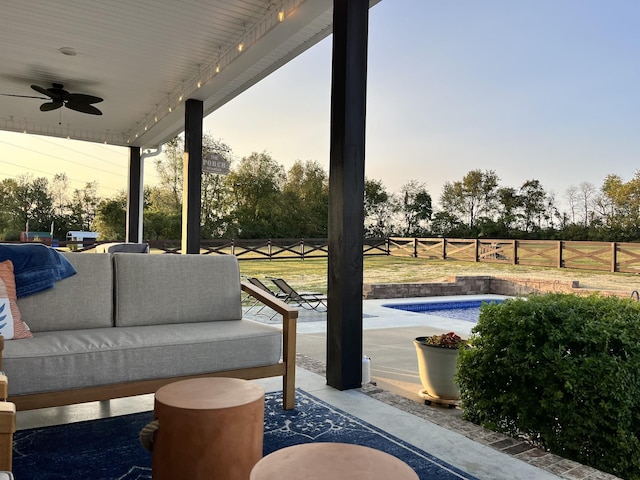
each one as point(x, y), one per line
point(331, 461)
point(208, 428)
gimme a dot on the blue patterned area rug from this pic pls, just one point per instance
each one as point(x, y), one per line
point(109, 448)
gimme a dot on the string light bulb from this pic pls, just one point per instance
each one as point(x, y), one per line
point(241, 44)
point(281, 15)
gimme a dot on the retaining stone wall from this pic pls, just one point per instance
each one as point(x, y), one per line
point(478, 285)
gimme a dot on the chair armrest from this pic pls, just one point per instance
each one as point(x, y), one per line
point(289, 325)
point(284, 309)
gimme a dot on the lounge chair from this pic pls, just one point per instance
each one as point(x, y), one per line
point(306, 300)
point(258, 283)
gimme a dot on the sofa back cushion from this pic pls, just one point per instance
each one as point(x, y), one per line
point(84, 300)
point(152, 289)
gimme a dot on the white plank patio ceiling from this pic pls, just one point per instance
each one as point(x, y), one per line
point(141, 56)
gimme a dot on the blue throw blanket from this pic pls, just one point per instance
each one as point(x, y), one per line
point(35, 266)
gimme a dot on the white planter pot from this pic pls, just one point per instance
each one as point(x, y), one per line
point(437, 367)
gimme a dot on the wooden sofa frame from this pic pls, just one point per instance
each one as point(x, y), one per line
point(285, 368)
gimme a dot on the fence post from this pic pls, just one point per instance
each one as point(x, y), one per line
point(233, 247)
point(387, 242)
point(269, 251)
point(444, 248)
point(614, 257)
point(477, 248)
point(415, 247)
point(515, 252)
point(560, 245)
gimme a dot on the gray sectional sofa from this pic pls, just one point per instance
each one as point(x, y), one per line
point(128, 323)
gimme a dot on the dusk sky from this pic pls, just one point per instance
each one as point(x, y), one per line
point(538, 89)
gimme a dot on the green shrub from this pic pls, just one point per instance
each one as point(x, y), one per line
point(561, 371)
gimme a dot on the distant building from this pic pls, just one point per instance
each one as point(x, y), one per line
point(83, 238)
point(36, 237)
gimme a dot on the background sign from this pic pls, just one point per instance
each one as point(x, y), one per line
point(214, 163)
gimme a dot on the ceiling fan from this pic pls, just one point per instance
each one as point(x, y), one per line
point(59, 97)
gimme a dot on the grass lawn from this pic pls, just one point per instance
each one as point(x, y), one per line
point(312, 274)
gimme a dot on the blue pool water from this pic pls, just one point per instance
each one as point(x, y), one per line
point(468, 310)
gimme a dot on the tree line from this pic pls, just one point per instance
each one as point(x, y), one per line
point(258, 198)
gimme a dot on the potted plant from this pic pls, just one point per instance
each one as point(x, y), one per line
point(437, 360)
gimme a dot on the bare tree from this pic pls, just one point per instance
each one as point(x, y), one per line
point(587, 192)
point(572, 198)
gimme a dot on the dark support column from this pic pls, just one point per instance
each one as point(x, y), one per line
point(192, 176)
point(346, 197)
point(134, 197)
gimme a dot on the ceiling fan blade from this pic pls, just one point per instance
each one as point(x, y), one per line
point(83, 108)
point(23, 96)
point(82, 98)
point(47, 107)
point(41, 90)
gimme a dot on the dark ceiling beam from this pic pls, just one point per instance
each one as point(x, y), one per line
point(346, 193)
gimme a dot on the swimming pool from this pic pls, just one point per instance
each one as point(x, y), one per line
point(467, 310)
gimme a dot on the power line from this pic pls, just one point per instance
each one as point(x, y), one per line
point(60, 158)
point(82, 182)
point(71, 161)
point(152, 174)
point(77, 151)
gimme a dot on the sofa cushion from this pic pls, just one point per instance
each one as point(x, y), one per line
point(84, 300)
point(11, 324)
point(160, 289)
point(53, 361)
